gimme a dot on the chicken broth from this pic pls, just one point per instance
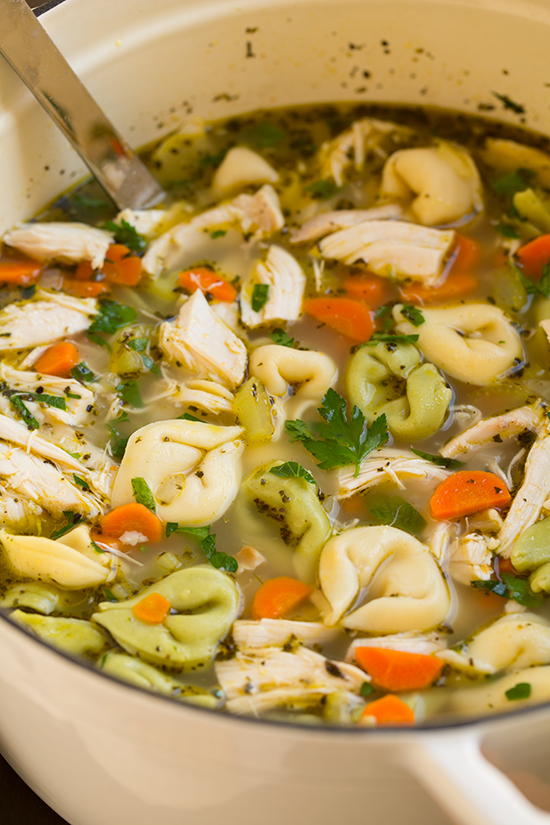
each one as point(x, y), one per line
point(280, 447)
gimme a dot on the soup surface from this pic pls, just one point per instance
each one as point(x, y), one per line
point(281, 446)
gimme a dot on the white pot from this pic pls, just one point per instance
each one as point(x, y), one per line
point(103, 753)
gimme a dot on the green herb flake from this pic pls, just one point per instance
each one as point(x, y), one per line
point(506, 230)
point(143, 493)
point(511, 587)
point(72, 520)
point(396, 512)
point(441, 461)
point(260, 294)
point(125, 233)
point(280, 337)
point(189, 417)
point(82, 373)
point(138, 344)
point(96, 547)
point(366, 689)
point(129, 393)
point(322, 189)
point(540, 287)
point(20, 407)
point(263, 135)
point(81, 482)
point(510, 104)
point(513, 182)
point(291, 469)
point(86, 203)
point(412, 314)
point(520, 691)
point(110, 597)
point(217, 233)
point(390, 338)
point(219, 560)
point(112, 316)
point(340, 440)
point(119, 442)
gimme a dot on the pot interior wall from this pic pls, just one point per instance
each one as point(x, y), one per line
point(152, 65)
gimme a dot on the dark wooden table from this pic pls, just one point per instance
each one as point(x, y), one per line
point(19, 805)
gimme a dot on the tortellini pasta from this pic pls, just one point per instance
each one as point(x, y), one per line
point(75, 636)
point(373, 378)
point(206, 602)
point(442, 181)
point(278, 366)
point(293, 503)
point(408, 593)
point(192, 469)
point(43, 598)
point(491, 697)
point(474, 343)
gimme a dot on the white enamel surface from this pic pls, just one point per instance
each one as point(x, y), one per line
point(101, 752)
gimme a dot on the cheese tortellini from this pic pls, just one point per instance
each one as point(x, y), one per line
point(277, 367)
point(407, 590)
point(373, 378)
point(192, 469)
point(474, 343)
point(75, 636)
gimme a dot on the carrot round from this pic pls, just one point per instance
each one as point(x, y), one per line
point(533, 256)
point(398, 670)
point(83, 289)
point(278, 597)
point(455, 285)
point(120, 266)
point(373, 289)
point(466, 254)
point(208, 282)
point(153, 609)
point(389, 710)
point(84, 271)
point(130, 518)
point(349, 317)
point(466, 492)
point(21, 273)
point(58, 359)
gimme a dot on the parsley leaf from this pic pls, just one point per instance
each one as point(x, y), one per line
point(520, 691)
point(130, 394)
point(441, 461)
point(279, 336)
point(263, 135)
point(260, 295)
point(511, 587)
point(219, 560)
point(143, 494)
point(508, 103)
point(208, 159)
point(506, 230)
point(217, 233)
point(366, 689)
point(81, 482)
point(390, 338)
point(126, 234)
point(119, 442)
point(322, 189)
point(82, 373)
point(540, 287)
point(112, 316)
point(109, 595)
point(397, 512)
point(189, 417)
point(412, 314)
point(291, 469)
point(513, 182)
point(72, 521)
point(342, 440)
point(24, 412)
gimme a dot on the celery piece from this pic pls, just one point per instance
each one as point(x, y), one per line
point(253, 408)
point(533, 209)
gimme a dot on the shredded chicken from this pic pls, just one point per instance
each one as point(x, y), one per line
point(76, 396)
point(286, 282)
point(470, 559)
point(249, 559)
point(259, 214)
point(201, 342)
point(280, 632)
point(390, 464)
point(50, 317)
point(327, 222)
point(145, 221)
point(503, 426)
point(397, 248)
point(352, 145)
point(64, 242)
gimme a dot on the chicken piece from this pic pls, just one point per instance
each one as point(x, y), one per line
point(45, 319)
point(206, 395)
point(486, 521)
point(470, 559)
point(228, 313)
point(286, 282)
point(389, 464)
point(242, 167)
point(249, 559)
point(268, 677)
point(352, 145)
point(423, 643)
point(392, 248)
point(529, 499)
point(327, 222)
point(63, 242)
point(442, 534)
point(278, 632)
point(504, 426)
point(508, 156)
point(19, 514)
point(77, 398)
point(202, 343)
point(259, 213)
point(146, 222)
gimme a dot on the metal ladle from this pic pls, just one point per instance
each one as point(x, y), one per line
point(40, 64)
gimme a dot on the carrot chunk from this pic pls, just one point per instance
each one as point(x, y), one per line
point(278, 597)
point(207, 281)
point(466, 254)
point(22, 273)
point(130, 518)
point(533, 256)
point(370, 288)
point(398, 670)
point(153, 609)
point(84, 271)
point(83, 289)
point(120, 266)
point(467, 492)
point(349, 317)
point(58, 359)
point(389, 710)
point(455, 285)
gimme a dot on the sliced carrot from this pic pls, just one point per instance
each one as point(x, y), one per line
point(208, 282)
point(373, 289)
point(349, 317)
point(120, 266)
point(505, 566)
point(389, 710)
point(278, 597)
point(398, 670)
point(129, 518)
point(22, 273)
point(84, 271)
point(58, 360)
point(534, 256)
point(83, 289)
point(466, 492)
point(455, 285)
point(466, 254)
point(153, 609)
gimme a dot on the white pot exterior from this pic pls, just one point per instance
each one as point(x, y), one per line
point(103, 753)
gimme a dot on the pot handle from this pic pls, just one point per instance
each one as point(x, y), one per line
point(469, 787)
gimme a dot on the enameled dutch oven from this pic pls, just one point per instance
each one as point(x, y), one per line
point(100, 752)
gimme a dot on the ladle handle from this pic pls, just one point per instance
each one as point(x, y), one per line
point(40, 64)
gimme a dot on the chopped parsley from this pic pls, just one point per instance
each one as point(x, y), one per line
point(119, 442)
point(219, 560)
point(140, 345)
point(511, 587)
point(390, 338)
point(263, 135)
point(397, 512)
point(143, 493)
point(513, 182)
point(520, 691)
point(366, 689)
point(506, 230)
point(510, 104)
point(20, 407)
point(217, 233)
point(540, 287)
point(112, 316)
point(130, 394)
point(322, 189)
point(441, 461)
point(291, 469)
point(72, 520)
point(260, 294)
point(125, 233)
point(279, 336)
point(189, 417)
point(412, 314)
point(81, 482)
point(82, 373)
point(109, 596)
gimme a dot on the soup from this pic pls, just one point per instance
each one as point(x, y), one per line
point(280, 447)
